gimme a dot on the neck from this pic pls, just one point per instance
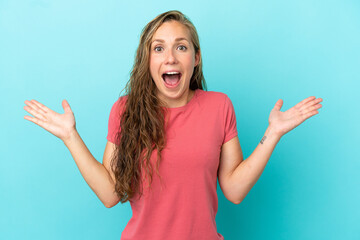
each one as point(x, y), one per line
point(182, 101)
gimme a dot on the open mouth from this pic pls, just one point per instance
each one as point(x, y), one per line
point(171, 78)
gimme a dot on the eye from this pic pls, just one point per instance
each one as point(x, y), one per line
point(183, 47)
point(157, 47)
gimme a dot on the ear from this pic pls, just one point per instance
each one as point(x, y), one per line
point(197, 58)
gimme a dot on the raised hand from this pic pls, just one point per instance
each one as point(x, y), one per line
point(60, 125)
point(283, 122)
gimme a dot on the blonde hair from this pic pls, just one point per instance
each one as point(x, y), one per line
point(142, 119)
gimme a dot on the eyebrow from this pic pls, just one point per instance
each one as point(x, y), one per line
point(176, 40)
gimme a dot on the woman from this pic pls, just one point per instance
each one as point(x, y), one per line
point(167, 122)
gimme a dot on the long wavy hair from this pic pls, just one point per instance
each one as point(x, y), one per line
point(142, 120)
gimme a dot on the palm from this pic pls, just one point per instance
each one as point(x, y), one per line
point(284, 122)
point(58, 124)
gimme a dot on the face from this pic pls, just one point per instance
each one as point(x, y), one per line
point(172, 62)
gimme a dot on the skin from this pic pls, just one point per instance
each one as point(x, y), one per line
point(236, 177)
point(170, 54)
point(283, 122)
point(99, 176)
point(60, 125)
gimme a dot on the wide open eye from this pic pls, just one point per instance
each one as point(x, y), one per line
point(156, 48)
point(183, 48)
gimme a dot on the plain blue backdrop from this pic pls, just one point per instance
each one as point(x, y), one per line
point(254, 51)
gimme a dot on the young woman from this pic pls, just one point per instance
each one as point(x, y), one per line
point(169, 124)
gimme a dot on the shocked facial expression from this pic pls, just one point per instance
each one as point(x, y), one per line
point(172, 62)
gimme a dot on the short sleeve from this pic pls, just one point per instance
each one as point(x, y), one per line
point(114, 121)
point(230, 129)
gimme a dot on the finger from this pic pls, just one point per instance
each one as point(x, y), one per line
point(34, 106)
point(306, 100)
point(310, 114)
point(34, 112)
point(37, 121)
point(311, 109)
point(66, 106)
point(42, 106)
point(311, 104)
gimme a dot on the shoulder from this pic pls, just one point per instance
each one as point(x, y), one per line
point(214, 102)
point(120, 102)
point(213, 96)
point(118, 106)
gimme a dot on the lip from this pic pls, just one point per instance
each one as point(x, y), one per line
point(171, 71)
point(171, 86)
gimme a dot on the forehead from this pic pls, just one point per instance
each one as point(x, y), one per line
point(171, 31)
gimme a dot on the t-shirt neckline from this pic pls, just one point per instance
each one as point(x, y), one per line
point(192, 100)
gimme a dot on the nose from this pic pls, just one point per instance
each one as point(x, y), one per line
point(170, 58)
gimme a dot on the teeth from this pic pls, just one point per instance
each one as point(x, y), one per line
point(172, 73)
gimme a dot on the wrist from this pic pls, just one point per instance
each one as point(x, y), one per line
point(72, 134)
point(271, 132)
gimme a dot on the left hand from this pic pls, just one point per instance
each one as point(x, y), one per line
point(283, 122)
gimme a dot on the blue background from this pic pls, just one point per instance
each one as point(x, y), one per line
point(255, 51)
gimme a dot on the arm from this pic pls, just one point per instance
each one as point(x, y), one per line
point(96, 175)
point(248, 172)
point(237, 177)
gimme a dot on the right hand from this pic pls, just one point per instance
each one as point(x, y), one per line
point(60, 125)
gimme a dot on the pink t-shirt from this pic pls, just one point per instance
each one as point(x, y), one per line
point(185, 205)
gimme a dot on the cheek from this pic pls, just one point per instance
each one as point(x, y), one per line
point(190, 59)
point(152, 66)
point(190, 62)
point(154, 63)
